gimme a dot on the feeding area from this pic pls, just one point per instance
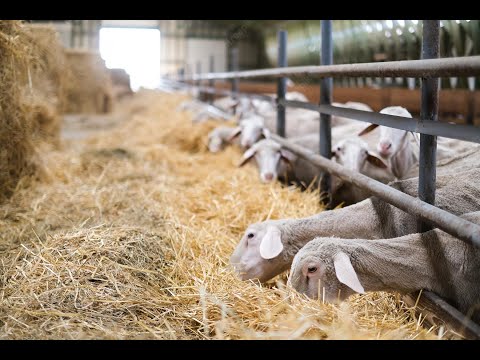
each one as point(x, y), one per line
point(125, 214)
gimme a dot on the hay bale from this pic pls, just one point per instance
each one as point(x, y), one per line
point(132, 240)
point(90, 90)
point(121, 83)
point(45, 97)
point(16, 134)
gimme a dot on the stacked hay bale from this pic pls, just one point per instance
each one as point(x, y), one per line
point(45, 97)
point(16, 133)
point(32, 98)
point(90, 90)
point(121, 83)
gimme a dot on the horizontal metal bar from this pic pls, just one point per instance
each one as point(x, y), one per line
point(454, 225)
point(211, 90)
point(452, 131)
point(444, 67)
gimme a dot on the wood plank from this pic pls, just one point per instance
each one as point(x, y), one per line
point(455, 104)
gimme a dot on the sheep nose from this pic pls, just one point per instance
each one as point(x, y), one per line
point(385, 148)
point(268, 176)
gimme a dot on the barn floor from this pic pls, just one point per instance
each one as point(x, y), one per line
point(128, 232)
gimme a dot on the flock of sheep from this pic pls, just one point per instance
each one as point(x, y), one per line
point(369, 245)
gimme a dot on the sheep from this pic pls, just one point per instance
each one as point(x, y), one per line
point(220, 137)
point(192, 105)
point(251, 129)
point(300, 122)
point(339, 120)
point(334, 269)
point(275, 162)
point(267, 248)
point(401, 148)
point(353, 152)
point(396, 145)
point(227, 103)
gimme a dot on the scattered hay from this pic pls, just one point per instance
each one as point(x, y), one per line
point(90, 91)
point(136, 246)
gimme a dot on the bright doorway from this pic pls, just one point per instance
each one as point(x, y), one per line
point(137, 50)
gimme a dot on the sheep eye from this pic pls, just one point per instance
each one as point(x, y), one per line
point(339, 148)
point(312, 269)
point(250, 235)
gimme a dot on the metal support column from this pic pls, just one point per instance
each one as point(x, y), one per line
point(429, 112)
point(211, 82)
point(235, 80)
point(326, 87)
point(181, 74)
point(282, 82)
point(199, 82)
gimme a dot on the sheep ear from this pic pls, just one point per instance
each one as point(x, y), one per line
point(237, 131)
point(234, 105)
point(288, 156)
point(368, 129)
point(247, 156)
point(376, 161)
point(271, 245)
point(266, 133)
point(346, 273)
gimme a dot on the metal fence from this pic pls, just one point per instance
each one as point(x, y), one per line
point(429, 69)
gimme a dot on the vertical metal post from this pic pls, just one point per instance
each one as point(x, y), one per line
point(234, 62)
point(181, 74)
point(429, 112)
point(211, 82)
point(326, 87)
point(199, 82)
point(282, 82)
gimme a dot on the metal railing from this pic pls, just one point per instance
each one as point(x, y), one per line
point(429, 69)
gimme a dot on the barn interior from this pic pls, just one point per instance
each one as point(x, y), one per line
point(117, 222)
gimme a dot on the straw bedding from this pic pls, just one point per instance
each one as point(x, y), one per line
point(131, 238)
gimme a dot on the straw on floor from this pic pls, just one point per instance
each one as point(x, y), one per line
point(131, 237)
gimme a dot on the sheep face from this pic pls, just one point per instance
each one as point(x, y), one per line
point(215, 144)
point(321, 270)
point(271, 159)
point(252, 131)
point(260, 253)
point(353, 153)
point(392, 140)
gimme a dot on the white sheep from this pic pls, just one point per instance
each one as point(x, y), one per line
point(354, 154)
point(335, 268)
point(267, 248)
point(301, 122)
point(220, 137)
point(251, 130)
point(275, 162)
point(401, 148)
point(397, 146)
